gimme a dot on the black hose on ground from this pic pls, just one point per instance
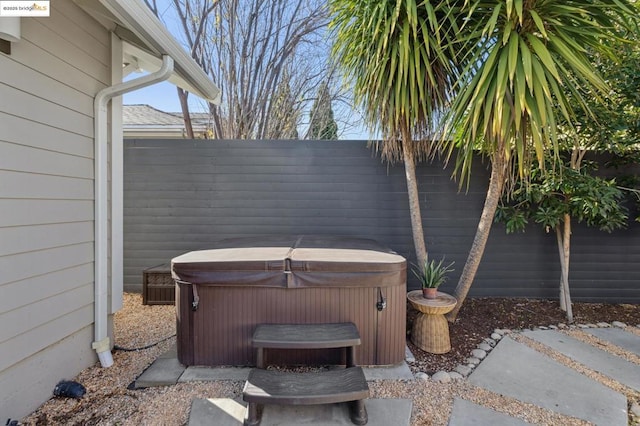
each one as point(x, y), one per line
point(120, 348)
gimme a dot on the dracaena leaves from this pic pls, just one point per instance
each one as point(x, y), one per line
point(529, 56)
point(397, 56)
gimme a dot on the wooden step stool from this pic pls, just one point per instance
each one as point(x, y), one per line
point(276, 387)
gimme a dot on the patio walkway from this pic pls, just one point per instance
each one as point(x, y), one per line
point(511, 369)
point(516, 371)
point(166, 371)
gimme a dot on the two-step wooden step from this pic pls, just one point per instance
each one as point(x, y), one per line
point(327, 387)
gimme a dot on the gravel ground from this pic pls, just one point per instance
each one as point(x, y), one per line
point(109, 401)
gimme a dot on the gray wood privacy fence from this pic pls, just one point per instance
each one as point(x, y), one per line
point(183, 195)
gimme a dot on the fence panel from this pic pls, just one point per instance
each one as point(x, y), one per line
point(183, 195)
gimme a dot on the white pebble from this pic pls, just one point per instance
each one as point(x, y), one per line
point(408, 355)
point(592, 326)
point(472, 360)
point(542, 327)
point(422, 376)
point(553, 327)
point(485, 347)
point(455, 375)
point(496, 336)
point(442, 377)
point(562, 325)
point(618, 324)
point(464, 370)
point(500, 331)
point(478, 353)
point(583, 326)
point(490, 342)
point(603, 324)
point(635, 409)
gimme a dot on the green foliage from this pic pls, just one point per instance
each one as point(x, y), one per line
point(507, 72)
point(629, 183)
point(283, 121)
point(323, 125)
point(527, 60)
point(397, 57)
point(615, 123)
point(547, 198)
point(432, 274)
point(514, 218)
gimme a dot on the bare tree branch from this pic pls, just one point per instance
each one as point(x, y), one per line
point(266, 56)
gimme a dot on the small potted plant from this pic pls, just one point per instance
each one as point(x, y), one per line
point(431, 276)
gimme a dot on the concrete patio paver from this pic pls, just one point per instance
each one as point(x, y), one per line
point(517, 371)
point(162, 372)
point(218, 411)
point(593, 358)
point(394, 372)
point(207, 374)
point(166, 370)
point(228, 412)
point(619, 337)
point(466, 413)
point(512, 369)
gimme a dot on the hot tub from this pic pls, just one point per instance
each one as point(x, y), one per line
point(224, 293)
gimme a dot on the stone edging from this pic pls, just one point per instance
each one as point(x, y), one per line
point(483, 349)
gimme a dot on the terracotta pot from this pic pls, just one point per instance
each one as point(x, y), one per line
point(429, 293)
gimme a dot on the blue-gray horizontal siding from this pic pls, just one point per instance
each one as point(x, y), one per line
point(186, 195)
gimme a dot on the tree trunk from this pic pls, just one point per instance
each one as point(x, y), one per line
point(414, 200)
point(564, 249)
point(494, 192)
point(563, 266)
point(182, 95)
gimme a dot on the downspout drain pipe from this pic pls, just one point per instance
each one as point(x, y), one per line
point(102, 344)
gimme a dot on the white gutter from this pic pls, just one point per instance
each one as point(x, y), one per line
point(136, 17)
point(102, 344)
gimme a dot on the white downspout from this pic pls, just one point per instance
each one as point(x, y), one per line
point(102, 344)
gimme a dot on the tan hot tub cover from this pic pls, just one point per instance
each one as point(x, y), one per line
point(291, 262)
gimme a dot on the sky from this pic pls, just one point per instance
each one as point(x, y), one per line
point(163, 96)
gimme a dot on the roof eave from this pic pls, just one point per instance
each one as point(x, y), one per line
point(136, 24)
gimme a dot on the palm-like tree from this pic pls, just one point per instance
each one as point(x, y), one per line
point(529, 57)
point(397, 57)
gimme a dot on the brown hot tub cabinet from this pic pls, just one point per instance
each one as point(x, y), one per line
point(224, 293)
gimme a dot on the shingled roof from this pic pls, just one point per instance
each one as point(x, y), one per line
point(142, 115)
point(146, 121)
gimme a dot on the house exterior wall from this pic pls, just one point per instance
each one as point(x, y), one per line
point(47, 86)
point(187, 195)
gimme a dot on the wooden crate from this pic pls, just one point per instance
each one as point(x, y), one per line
point(158, 287)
